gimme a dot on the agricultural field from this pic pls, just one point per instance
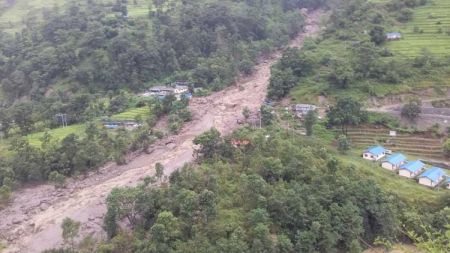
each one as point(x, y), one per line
point(13, 17)
point(131, 114)
point(57, 133)
point(78, 129)
point(429, 29)
point(417, 146)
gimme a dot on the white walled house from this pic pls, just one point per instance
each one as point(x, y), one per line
point(374, 153)
point(411, 169)
point(393, 36)
point(301, 110)
point(394, 161)
point(432, 177)
point(447, 183)
point(180, 89)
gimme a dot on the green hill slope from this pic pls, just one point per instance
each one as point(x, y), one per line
point(428, 29)
point(14, 15)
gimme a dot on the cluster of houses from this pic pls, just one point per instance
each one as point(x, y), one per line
point(178, 89)
point(127, 124)
point(430, 177)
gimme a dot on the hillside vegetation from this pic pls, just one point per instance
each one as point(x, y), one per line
point(97, 47)
point(14, 14)
point(279, 193)
point(81, 52)
point(353, 57)
point(429, 28)
point(86, 59)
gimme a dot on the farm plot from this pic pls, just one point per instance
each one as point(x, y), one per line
point(132, 114)
point(429, 29)
point(78, 129)
point(411, 144)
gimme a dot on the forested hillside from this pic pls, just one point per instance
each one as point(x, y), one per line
point(279, 193)
point(69, 57)
point(355, 58)
point(95, 46)
point(86, 60)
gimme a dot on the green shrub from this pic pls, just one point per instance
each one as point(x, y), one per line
point(446, 147)
point(59, 180)
point(5, 195)
point(343, 144)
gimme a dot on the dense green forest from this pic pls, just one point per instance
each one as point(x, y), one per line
point(352, 57)
point(280, 193)
point(82, 52)
point(86, 59)
point(96, 47)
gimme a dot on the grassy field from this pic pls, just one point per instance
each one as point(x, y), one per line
point(78, 129)
point(12, 19)
point(57, 133)
point(132, 114)
point(432, 22)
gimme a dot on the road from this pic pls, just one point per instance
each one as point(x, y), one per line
point(427, 118)
point(32, 222)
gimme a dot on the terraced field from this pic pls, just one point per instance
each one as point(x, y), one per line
point(413, 145)
point(132, 114)
point(432, 25)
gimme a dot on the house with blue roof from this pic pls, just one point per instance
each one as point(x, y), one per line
point(432, 177)
point(411, 169)
point(393, 36)
point(394, 161)
point(374, 153)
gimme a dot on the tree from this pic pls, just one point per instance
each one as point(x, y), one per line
point(57, 179)
point(377, 35)
point(310, 121)
point(121, 146)
point(343, 144)
point(159, 171)
point(412, 109)
point(266, 114)
point(122, 203)
point(355, 247)
point(165, 232)
point(446, 147)
point(70, 229)
point(246, 113)
point(345, 113)
point(281, 82)
point(207, 204)
point(235, 243)
point(342, 74)
point(5, 194)
point(210, 142)
point(22, 114)
point(284, 244)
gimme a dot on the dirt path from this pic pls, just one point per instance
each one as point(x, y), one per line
point(427, 118)
point(31, 223)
